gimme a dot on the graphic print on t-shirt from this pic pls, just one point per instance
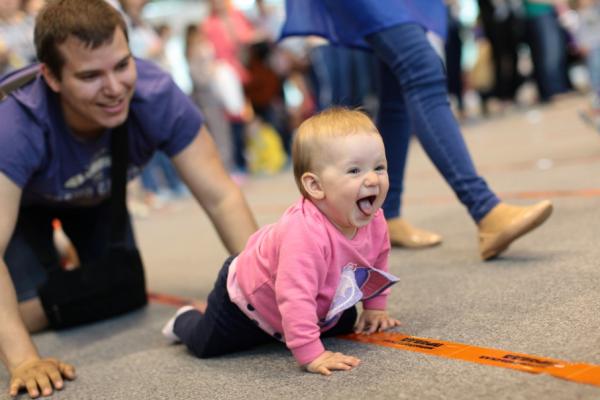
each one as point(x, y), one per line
point(356, 283)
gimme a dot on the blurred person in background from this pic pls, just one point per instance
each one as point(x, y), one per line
point(548, 45)
point(265, 86)
point(453, 51)
point(32, 7)
point(159, 179)
point(504, 26)
point(202, 65)
point(230, 32)
point(16, 34)
point(587, 35)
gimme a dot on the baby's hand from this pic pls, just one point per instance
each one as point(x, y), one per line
point(371, 321)
point(329, 361)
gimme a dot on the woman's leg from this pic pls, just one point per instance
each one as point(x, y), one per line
point(418, 70)
point(420, 74)
point(394, 126)
point(395, 129)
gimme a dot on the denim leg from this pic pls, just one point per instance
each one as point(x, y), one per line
point(420, 74)
point(171, 176)
point(25, 266)
point(320, 63)
point(555, 56)
point(593, 64)
point(361, 80)
point(332, 73)
point(394, 125)
point(239, 145)
point(342, 83)
point(547, 45)
point(148, 178)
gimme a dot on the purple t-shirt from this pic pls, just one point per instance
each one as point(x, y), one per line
point(39, 154)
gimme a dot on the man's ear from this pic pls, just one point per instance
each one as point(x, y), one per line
point(312, 186)
point(50, 78)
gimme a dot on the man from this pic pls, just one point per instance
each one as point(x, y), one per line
point(55, 152)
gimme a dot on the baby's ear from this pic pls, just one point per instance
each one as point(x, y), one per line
point(312, 186)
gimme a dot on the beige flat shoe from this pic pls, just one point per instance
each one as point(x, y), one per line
point(403, 234)
point(506, 223)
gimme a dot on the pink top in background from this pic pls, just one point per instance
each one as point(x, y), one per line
point(227, 35)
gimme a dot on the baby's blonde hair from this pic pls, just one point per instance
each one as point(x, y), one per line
point(312, 133)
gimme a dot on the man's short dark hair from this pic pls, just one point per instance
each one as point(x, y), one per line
point(91, 21)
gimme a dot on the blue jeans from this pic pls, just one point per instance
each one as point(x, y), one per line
point(548, 51)
point(332, 66)
point(592, 61)
point(344, 75)
point(239, 145)
point(160, 163)
point(413, 98)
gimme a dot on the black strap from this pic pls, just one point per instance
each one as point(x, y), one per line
point(119, 148)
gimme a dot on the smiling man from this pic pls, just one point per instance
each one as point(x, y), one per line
point(56, 158)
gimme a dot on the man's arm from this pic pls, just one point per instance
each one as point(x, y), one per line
point(15, 344)
point(17, 350)
point(201, 169)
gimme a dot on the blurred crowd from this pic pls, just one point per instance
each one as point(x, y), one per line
point(254, 91)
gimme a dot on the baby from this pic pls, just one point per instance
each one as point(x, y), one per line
point(300, 278)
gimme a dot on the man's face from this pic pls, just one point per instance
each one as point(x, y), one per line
point(96, 85)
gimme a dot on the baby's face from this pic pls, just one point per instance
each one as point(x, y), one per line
point(354, 179)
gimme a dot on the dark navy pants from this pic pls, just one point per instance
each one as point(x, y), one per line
point(224, 328)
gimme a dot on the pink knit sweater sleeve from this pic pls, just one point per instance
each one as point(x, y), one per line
point(302, 268)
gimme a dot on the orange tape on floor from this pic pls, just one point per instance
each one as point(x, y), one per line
point(168, 299)
point(575, 372)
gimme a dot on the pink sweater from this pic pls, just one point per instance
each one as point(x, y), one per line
point(290, 270)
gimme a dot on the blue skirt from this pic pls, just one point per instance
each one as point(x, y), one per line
point(347, 22)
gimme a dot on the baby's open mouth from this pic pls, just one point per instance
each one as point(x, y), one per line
point(365, 205)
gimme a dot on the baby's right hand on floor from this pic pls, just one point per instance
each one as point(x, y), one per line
point(329, 361)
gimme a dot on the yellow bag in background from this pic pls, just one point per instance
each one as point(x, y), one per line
point(264, 150)
point(481, 76)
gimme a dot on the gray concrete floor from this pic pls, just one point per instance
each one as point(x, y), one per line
point(541, 297)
